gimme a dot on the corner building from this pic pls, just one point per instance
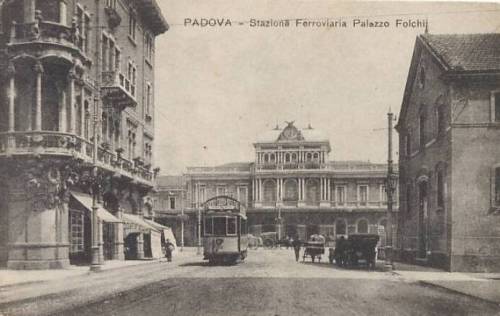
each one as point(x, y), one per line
point(292, 187)
point(449, 129)
point(68, 67)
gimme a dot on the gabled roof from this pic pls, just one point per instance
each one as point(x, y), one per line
point(457, 55)
point(291, 133)
point(466, 52)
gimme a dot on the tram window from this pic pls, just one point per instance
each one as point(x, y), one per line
point(209, 229)
point(231, 225)
point(219, 226)
point(244, 227)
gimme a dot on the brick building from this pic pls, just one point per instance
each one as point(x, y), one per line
point(65, 65)
point(292, 187)
point(449, 129)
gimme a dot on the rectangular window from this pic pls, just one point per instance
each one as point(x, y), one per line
point(497, 187)
point(201, 195)
point(421, 131)
point(408, 198)
point(440, 189)
point(104, 51)
point(219, 226)
point(363, 194)
point(132, 25)
point(440, 120)
point(408, 144)
point(208, 227)
point(340, 195)
point(111, 4)
point(383, 194)
point(149, 96)
point(231, 226)
point(172, 203)
point(221, 191)
point(76, 232)
point(496, 97)
point(242, 195)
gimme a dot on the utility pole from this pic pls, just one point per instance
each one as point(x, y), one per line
point(390, 187)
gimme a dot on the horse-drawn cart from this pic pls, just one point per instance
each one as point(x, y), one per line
point(314, 248)
point(358, 248)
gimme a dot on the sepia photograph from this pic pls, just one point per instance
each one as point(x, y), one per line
point(249, 157)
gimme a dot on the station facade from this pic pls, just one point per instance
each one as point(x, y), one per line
point(291, 188)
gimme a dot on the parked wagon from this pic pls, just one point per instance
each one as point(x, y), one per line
point(314, 248)
point(356, 249)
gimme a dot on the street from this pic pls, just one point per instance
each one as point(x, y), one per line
point(269, 282)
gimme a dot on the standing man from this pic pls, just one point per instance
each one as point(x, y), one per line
point(296, 247)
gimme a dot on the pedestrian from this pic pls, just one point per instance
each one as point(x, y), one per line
point(296, 248)
point(169, 248)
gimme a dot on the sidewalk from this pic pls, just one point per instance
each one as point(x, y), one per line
point(16, 277)
point(484, 286)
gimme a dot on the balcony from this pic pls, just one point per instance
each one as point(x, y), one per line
point(114, 18)
point(67, 145)
point(51, 34)
point(118, 90)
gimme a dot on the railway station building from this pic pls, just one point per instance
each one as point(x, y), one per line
point(449, 162)
point(292, 188)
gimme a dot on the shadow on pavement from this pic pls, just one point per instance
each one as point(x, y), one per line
point(361, 267)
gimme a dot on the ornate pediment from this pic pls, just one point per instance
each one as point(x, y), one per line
point(290, 132)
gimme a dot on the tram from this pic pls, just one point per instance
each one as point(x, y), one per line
point(225, 234)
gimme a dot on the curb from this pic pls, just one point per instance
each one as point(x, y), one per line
point(430, 284)
point(82, 273)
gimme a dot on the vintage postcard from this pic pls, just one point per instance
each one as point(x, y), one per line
point(250, 157)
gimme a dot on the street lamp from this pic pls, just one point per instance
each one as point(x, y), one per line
point(95, 265)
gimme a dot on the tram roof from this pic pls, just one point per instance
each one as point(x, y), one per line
point(211, 212)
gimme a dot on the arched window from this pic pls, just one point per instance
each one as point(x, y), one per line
point(362, 226)
point(422, 77)
point(440, 188)
point(309, 157)
point(273, 157)
point(294, 157)
point(340, 227)
point(266, 158)
point(287, 157)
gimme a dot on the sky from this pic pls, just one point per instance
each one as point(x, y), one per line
point(218, 88)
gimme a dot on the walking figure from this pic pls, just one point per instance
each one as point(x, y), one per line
point(169, 248)
point(296, 248)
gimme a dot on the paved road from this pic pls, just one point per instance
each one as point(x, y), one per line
point(268, 283)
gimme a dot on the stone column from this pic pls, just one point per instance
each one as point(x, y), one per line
point(71, 92)
point(100, 240)
point(11, 73)
point(63, 13)
point(82, 112)
point(38, 99)
point(301, 192)
point(63, 120)
point(118, 234)
point(29, 11)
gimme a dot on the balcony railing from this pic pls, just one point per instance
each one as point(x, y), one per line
point(118, 90)
point(46, 32)
point(64, 144)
